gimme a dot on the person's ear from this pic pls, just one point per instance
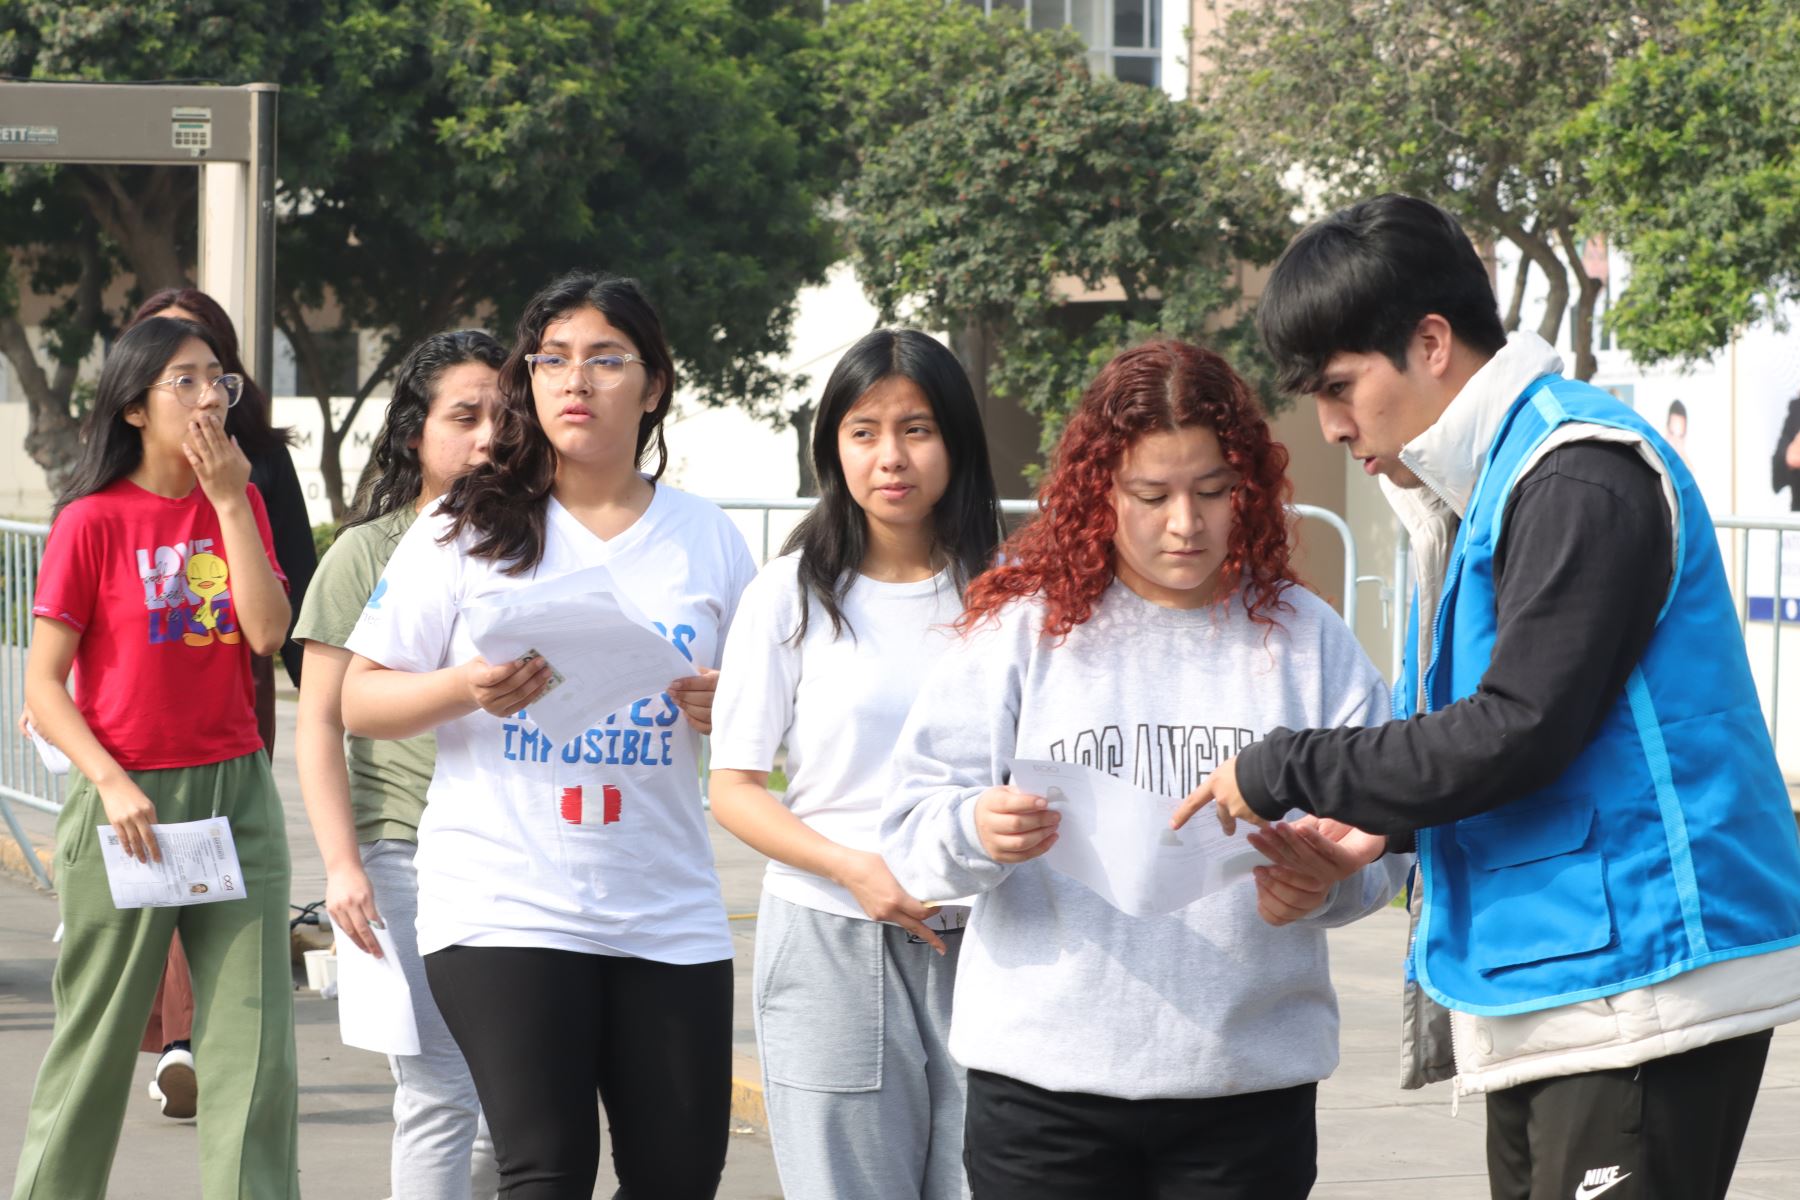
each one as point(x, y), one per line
point(136, 414)
point(1432, 345)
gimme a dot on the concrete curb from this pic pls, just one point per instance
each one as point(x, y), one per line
point(747, 1105)
point(13, 860)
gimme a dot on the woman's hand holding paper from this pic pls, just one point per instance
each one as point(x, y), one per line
point(502, 689)
point(1014, 827)
point(693, 695)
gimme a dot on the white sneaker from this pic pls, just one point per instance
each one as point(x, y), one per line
point(174, 1086)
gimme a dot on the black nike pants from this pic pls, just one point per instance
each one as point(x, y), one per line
point(1669, 1129)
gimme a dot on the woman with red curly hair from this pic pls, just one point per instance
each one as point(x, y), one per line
point(1147, 624)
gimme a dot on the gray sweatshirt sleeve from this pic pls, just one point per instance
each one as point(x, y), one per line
point(955, 745)
point(1371, 888)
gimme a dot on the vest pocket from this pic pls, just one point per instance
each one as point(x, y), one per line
point(1536, 892)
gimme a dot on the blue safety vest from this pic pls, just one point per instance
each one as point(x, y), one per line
point(1668, 844)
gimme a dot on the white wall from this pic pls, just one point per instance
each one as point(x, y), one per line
point(24, 492)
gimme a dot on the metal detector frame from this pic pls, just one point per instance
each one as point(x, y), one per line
point(227, 132)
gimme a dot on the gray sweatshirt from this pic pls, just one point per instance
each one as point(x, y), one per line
point(1055, 986)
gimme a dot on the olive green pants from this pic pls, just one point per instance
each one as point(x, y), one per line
point(106, 977)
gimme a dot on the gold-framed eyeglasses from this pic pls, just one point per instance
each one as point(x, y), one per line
point(603, 371)
point(190, 388)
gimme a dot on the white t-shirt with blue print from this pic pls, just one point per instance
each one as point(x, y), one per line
point(598, 845)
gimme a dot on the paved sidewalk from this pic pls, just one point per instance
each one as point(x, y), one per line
point(1375, 1141)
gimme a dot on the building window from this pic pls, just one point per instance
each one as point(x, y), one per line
point(1124, 37)
point(990, 7)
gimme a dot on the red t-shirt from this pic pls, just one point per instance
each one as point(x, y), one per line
point(162, 673)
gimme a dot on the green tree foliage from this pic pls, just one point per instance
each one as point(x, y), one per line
point(71, 230)
point(885, 65)
point(1468, 104)
point(1026, 181)
point(670, 140)
point(441, 160)
point(1694, 150)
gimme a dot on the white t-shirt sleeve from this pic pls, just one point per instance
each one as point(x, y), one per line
point(754, 707)
point(407, 623)
point(740, 570)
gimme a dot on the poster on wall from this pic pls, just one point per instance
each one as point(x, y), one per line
point(1768, 388)
point(1735, 421)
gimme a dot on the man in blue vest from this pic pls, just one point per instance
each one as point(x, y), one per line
point(1608, 902)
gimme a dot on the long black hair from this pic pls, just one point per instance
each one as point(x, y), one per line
point(398, 476)
point(503, 500)
point(833, 537)
point(112, 447)
point(251, 419)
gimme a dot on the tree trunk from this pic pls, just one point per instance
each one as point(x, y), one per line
point(53, 435)
point(801, 422)
point(331, 443)
point(1581, 331)
point(1539, 251)
point(1517, 304)
point(310, 373)
point(146, 215)
point(1557, 301)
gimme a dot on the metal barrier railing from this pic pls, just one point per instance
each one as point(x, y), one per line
point(23, 777)
point(1779, 607)
point(1776, 607)
point(24, 781)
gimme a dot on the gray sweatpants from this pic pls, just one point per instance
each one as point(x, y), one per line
point(853, 1025)
point(442, 1150)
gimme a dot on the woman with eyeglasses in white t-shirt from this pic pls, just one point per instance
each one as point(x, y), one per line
point(569, 915)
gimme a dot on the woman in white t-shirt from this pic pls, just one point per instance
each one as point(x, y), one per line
point(853, 974)
point(569, 914)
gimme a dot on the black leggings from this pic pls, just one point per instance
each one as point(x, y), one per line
point(544, 1030)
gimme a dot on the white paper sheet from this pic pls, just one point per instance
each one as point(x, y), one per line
point(1115, 838)
point(375, 1010)
point(54, 760)
point(604, 653)
point(199, 866)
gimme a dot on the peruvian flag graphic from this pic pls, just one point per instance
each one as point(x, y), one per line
point(575, 812)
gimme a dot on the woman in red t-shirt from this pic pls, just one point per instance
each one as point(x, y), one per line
point(158, 583)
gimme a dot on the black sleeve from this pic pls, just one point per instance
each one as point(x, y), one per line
point(278, 481)
point(1580, 574)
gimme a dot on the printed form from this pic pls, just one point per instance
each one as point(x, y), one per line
point(199, 866)
point(603, 653)
point(1115, 838)
point(375, 1009)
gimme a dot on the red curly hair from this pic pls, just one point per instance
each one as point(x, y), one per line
point(1065, 555)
